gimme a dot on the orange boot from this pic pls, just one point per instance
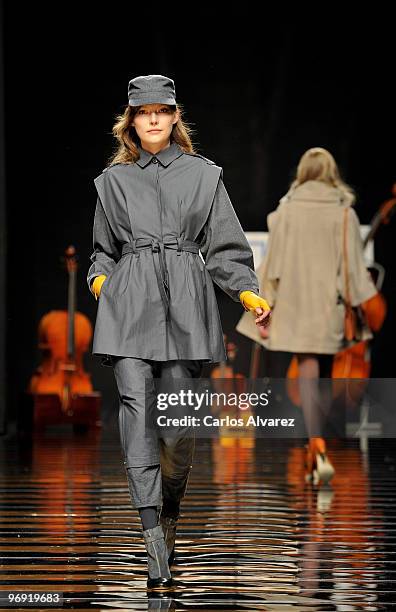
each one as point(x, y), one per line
point(319, 468)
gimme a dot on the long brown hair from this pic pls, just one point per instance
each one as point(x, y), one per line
point(318, 164)
point(127, 150)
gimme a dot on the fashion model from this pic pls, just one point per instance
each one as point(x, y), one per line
point(159, 205)
point(304, 277)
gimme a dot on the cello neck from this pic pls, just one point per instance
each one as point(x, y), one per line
point(71, 264)
point(387, 209)
point(374, 225)
point(71, 310)
point(255, 360)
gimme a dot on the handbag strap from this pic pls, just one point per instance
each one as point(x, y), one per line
point(347, 288)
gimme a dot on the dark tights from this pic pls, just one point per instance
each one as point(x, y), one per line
point(149, 516)
point(315, 390)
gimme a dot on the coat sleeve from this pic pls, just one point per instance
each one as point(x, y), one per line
point(270, 270)
point(361, 286)
point(224, 246)
point(107, 250)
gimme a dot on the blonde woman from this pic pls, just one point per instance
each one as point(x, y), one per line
point(159, 204)
point(303, 279)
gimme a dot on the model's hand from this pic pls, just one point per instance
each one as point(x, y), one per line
point(258, 306)
point(97, 285)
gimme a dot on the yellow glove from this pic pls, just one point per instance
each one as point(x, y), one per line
point(97, 284)
point(251, 301)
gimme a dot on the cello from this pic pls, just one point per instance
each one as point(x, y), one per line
point(60, 387)
point(354, 361)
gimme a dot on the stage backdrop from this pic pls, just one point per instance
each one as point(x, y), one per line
point(256, 106)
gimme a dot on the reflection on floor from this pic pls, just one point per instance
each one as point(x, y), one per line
point(253, 535)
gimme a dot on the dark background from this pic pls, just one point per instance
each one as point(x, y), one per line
point(259, 91)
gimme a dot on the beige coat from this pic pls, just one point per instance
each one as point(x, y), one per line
point(302, 275)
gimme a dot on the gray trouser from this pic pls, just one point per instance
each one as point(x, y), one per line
point(156, 467)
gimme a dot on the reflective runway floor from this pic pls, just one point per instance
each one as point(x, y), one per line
point(253, 535)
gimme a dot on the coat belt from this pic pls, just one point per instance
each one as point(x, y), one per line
point(157, 248)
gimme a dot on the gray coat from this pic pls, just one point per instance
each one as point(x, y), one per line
point(152, 218)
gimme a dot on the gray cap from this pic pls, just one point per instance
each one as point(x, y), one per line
point(151, 89)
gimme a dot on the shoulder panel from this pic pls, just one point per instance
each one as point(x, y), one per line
point(208, 161)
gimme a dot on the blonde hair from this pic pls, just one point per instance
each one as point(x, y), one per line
point(127, 150)
point(318, 164)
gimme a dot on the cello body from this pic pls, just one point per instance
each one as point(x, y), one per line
point(60, 390)
point(51, 376)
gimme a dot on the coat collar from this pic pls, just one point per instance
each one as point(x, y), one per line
point(165, 156)
point(319, 191)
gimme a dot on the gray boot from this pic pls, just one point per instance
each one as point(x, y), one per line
point(169, 526)
point(157, 558)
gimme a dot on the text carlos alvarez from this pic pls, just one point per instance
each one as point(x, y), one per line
point(227, 421)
